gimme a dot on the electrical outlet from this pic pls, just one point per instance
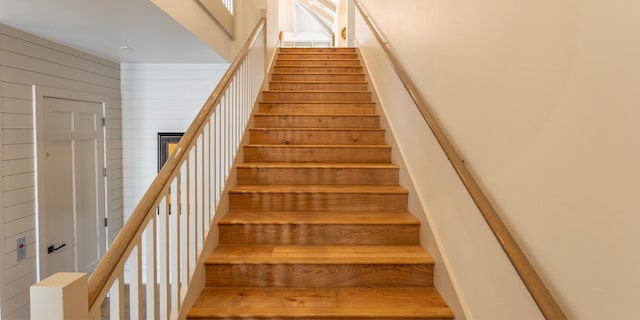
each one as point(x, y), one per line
point(22, 249)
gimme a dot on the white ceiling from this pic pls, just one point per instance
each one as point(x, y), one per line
point(102, 27)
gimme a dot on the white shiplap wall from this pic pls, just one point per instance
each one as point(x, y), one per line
point(157, 98)
point(26, 60)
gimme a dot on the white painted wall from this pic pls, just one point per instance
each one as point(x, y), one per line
point(304, 22)
point(541, 100)
point(285, 15)
point(26, 60)
point(158, 98)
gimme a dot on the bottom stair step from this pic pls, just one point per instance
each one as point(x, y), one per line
point(320, 303)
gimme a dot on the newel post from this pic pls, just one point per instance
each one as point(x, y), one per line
point(64, 295)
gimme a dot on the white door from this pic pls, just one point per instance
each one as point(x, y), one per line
point(71, 184)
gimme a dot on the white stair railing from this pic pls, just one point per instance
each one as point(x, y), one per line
point(162, 242)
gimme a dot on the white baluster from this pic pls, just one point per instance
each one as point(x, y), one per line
point(163, 259)
point(151, 267)
point(174, 249)
point(135, 282)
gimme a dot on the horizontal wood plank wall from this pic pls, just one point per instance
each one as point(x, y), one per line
point(26, 60)
point(158, 98)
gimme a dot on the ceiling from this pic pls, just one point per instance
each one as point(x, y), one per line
point(124, 31)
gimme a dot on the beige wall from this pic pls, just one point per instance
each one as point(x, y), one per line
point(540, 97)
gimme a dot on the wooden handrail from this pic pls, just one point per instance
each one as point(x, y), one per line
point(123, 243)
point(538, 290)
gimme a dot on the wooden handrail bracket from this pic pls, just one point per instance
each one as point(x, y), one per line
point(540, 293)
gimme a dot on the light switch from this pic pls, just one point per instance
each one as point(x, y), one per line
point(22, 249)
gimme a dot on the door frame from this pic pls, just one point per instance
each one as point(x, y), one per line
point(39, 94)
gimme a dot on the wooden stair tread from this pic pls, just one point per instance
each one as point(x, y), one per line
point(319, 66)
point(316, 129)
point(318, 120)
point(366, 165)
point(315, 91)
point(318, 55)
point(361, 146)
point(262, 114)
point(329, 152)
point(317, 136)
point(302, 52)
point(303, 217)
point(313, 69)
point(320, 303)
point(317, 82)
point(312, 74)
point(281, 58)
point(312, 102)
point(319, 49)
point(318, 254)
point(297, 62)
point(361, 189)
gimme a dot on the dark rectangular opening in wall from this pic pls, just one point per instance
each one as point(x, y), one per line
point(167, 141)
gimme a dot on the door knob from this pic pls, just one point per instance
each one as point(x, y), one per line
point(52, 248)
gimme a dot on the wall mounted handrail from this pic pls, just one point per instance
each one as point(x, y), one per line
point(538, 290)
point(129, 236)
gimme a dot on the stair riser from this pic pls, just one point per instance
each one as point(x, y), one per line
point(316, 96)
point(321, 176)
point(287, 316)
point(318, 86)
point(316, 121)
point(318, 275)
point(319, 69)
point(317, 50)
point(317, 77)
point(347, 202)
point(317, 56)
point(311, 154)
point(312, 317)
point(288, 234)
point(330, 63)
point(316, 108)
point(317, 137)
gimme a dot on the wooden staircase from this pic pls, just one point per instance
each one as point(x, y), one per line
point(318, 226)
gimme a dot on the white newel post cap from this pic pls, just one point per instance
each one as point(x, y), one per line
point(64, 295)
